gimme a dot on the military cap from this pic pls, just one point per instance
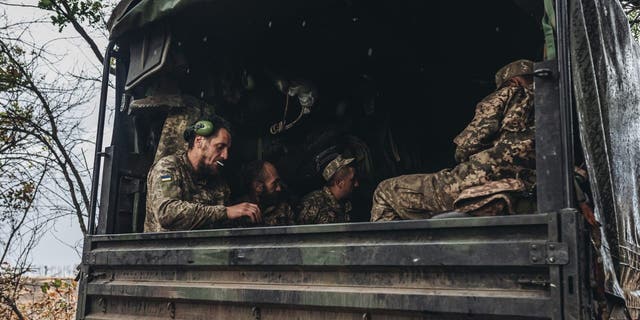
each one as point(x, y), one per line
point(513, 69)
point(334, 166)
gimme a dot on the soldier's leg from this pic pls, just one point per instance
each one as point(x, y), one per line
point(417, 196)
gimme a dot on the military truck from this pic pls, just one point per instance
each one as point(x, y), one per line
point(389, 83)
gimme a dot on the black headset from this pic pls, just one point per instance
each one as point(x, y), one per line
point(203, 128)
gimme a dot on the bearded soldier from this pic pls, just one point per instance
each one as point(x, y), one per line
point(331, 203)
point(185, 191)
point(495, 155)
point(263, 187)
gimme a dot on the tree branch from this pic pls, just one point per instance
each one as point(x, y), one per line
point(66, 11)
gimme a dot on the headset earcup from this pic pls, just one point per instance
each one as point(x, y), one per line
point(203, 128)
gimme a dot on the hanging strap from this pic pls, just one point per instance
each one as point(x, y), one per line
point(549, 27)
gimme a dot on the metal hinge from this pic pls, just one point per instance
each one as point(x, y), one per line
point(549, 253)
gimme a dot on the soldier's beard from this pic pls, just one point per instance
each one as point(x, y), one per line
point(206, 170)
point(269, 199)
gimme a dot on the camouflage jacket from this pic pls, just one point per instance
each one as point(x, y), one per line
point(179, 199)
point(500, 140)
point(280, 214)
point(321, 206)
point(499, 143)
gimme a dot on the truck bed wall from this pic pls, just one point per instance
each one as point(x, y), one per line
point(484, 268)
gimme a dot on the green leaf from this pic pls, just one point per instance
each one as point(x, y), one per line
point(44, 4)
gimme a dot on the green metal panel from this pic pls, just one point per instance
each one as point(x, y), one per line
point(484, 268)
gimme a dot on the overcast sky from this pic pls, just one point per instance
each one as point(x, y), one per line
point(57, 246)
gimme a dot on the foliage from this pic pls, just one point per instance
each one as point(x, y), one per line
point(45, 174)
point(632, 9)
point(9, 76)
point(57, 301)
point(35, 299)
point(70, 11)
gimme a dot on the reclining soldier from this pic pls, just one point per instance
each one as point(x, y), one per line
point(185, 190)
point(331, 203)
point(263, 187)
point(495, 155)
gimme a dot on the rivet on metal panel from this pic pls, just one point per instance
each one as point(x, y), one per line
point(533, 246)
point(172, 310)
point(552, 247)
point(366, 316)
point(534, 259)
point(552, 259)
point(257, 315)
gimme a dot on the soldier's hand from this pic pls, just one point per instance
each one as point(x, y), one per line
point(245, 209)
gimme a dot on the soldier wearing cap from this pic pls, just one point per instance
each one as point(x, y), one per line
point(495, 155)
point(185, 191)
point(330, 204)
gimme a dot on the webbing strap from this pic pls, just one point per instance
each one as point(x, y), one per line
point(549, 27)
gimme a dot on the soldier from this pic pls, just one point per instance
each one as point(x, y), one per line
point(495, 155)
point(330, 204)
point(185, 191)
point(263, 187)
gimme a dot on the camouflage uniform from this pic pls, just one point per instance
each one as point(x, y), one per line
point(321, 206)
point(179, 199)
point(280, 214)
point(495, 154)
point(183, 111)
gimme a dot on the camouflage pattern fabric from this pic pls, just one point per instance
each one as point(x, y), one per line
point(497, 144)
point(490, 199)
point(513, 69)
point(335, 165)
point(184, 110)
point(320, 206)
point(280, 214)
point(179, 199)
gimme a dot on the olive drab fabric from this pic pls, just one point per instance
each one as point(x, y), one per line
point(497, 144)
point(321, 206)
point(179, 199)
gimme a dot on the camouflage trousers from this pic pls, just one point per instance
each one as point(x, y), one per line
point(421, 196)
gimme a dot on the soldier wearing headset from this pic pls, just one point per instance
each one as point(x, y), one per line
point(185, 191)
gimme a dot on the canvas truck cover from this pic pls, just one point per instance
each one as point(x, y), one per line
point(606, 77)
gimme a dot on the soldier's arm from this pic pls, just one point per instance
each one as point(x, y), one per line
point(172, 212)
point(479, 134)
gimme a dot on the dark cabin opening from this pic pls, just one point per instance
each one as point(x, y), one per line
point(394, 83)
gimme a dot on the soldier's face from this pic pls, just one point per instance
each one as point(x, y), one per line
point(271, 186)
point(349, 183)
point(212, 150)
point(272, 181)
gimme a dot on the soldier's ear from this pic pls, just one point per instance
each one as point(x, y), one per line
point(258, 186)
point(197, 141)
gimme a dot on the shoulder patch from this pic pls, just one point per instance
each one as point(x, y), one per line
point(166, 177)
